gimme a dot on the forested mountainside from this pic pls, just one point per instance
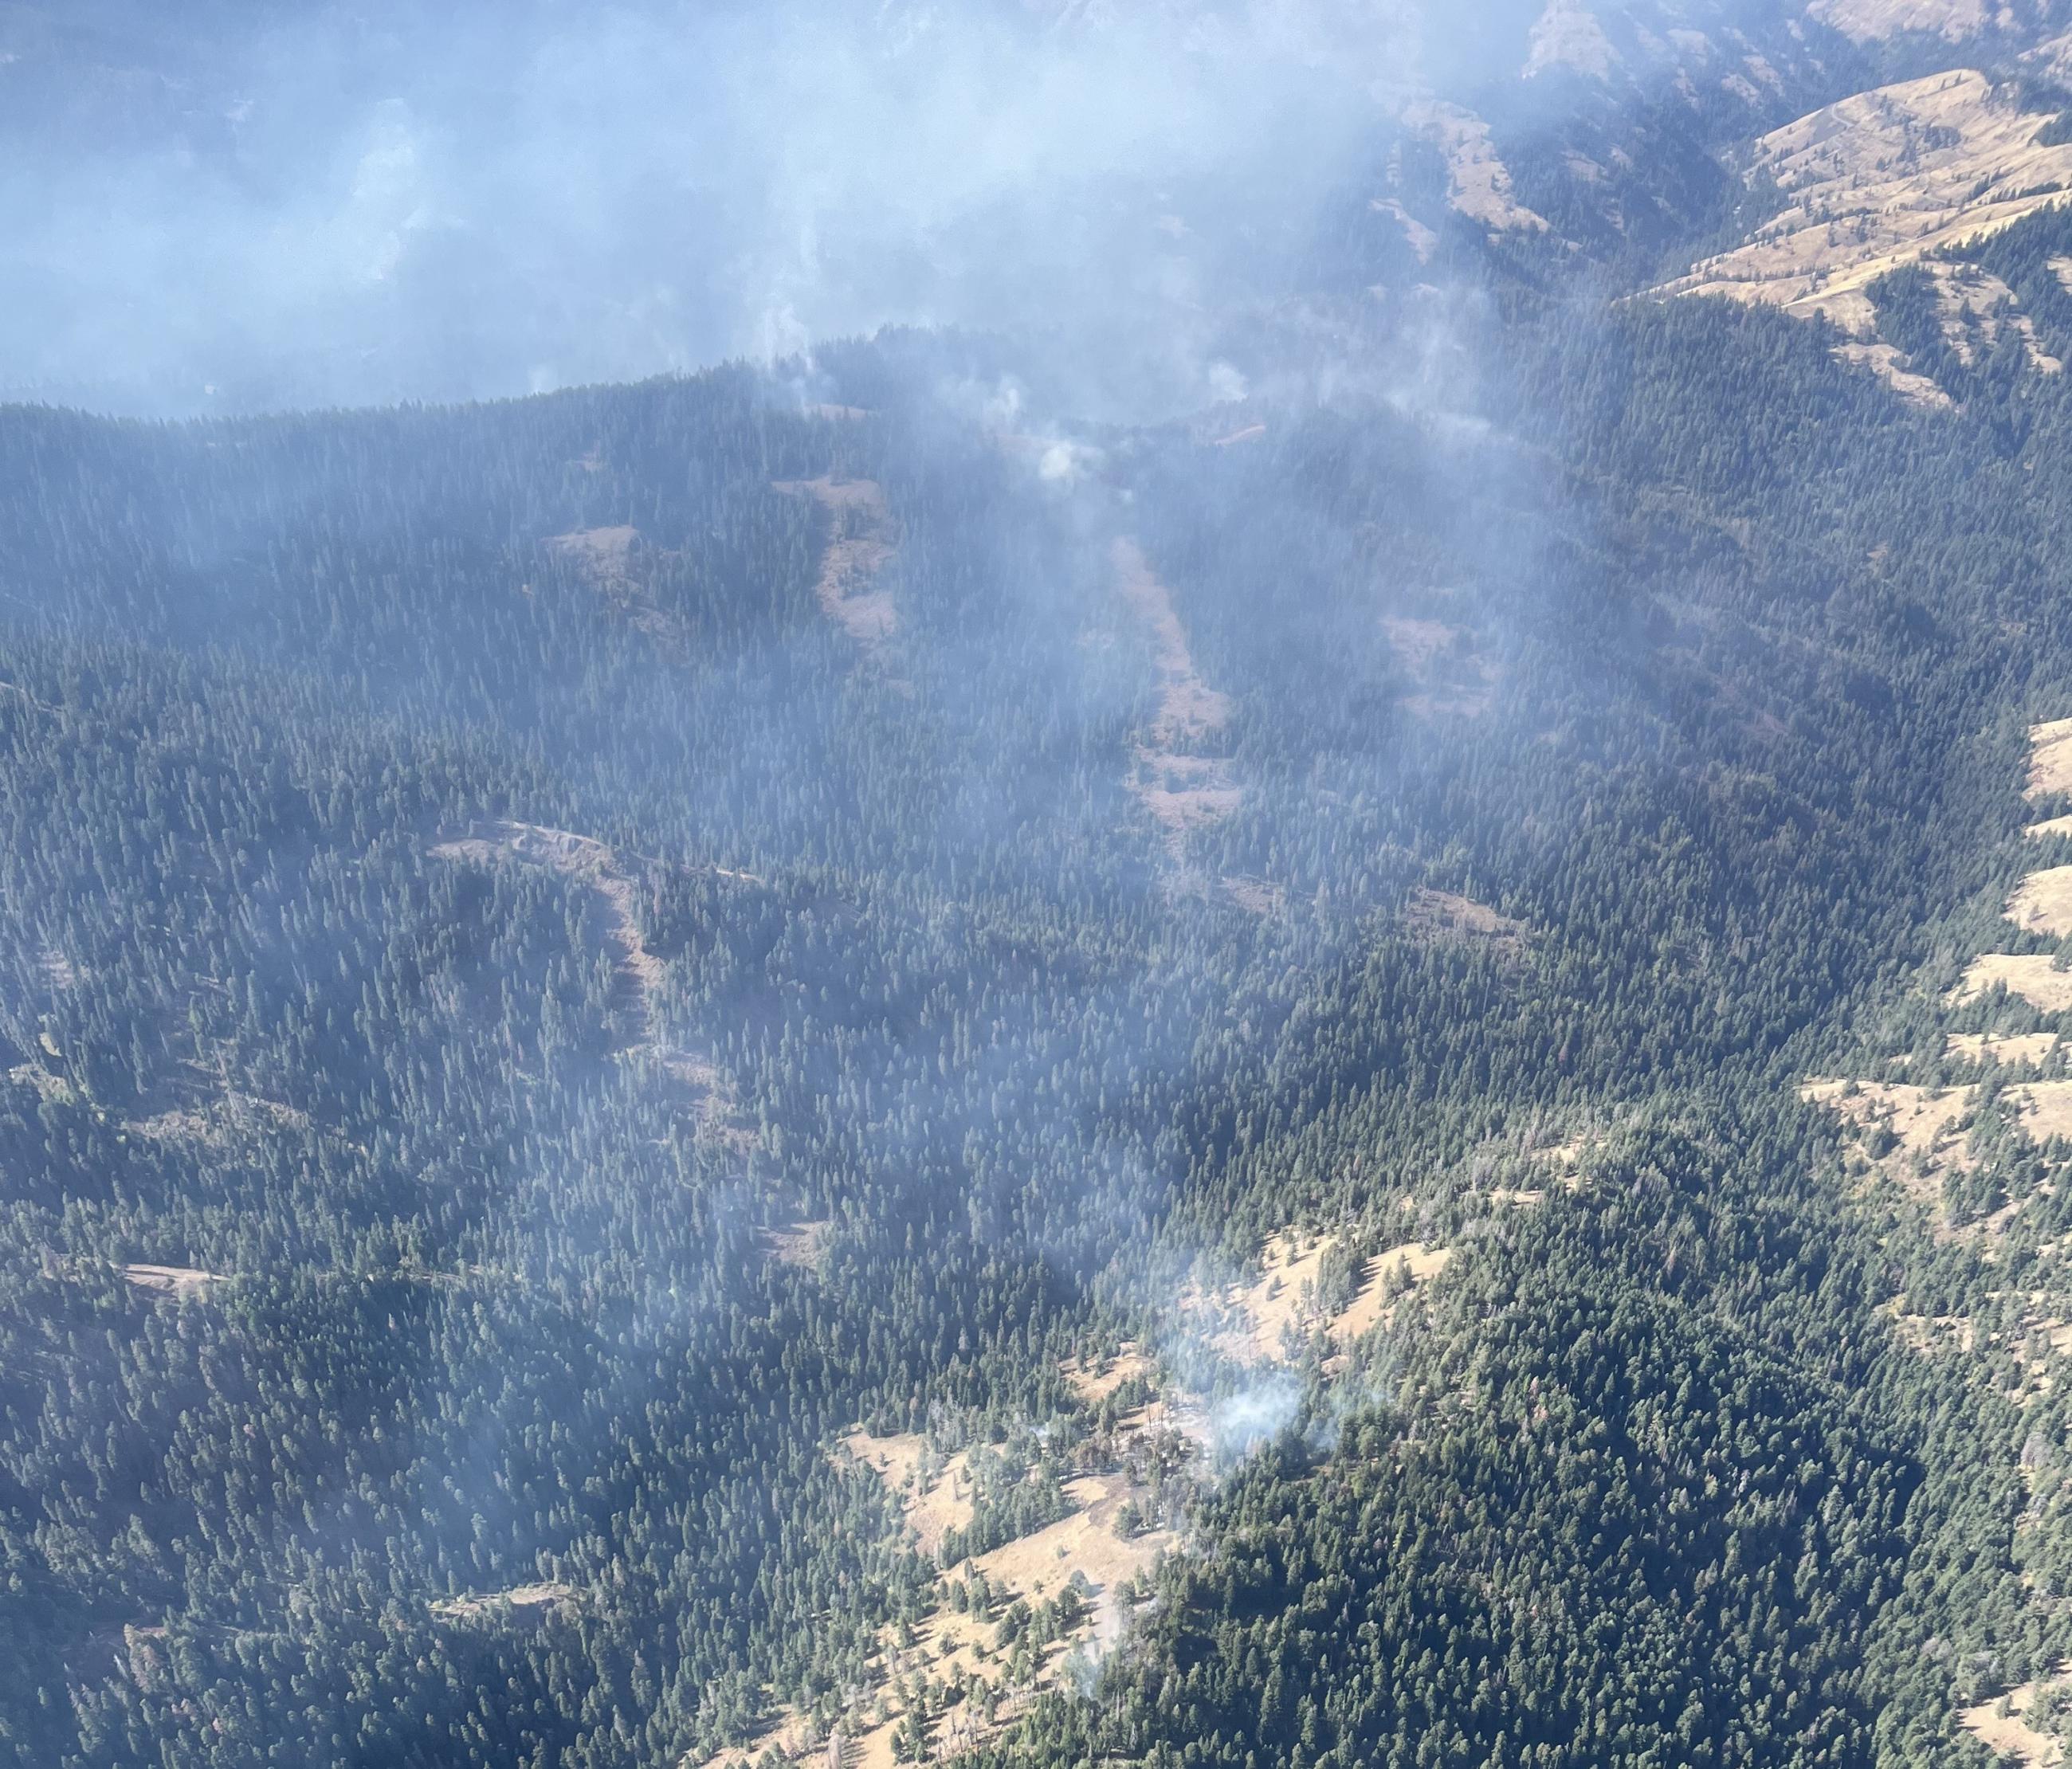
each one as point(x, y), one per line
point(827, 1063)
point(569, 953)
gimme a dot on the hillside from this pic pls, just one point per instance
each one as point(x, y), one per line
point(1318, 1019)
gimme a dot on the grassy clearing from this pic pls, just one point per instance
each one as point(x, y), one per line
point(860, 544)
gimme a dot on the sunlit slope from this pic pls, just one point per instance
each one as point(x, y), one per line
point(1883, 179)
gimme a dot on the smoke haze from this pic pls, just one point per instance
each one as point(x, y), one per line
point(229, 209)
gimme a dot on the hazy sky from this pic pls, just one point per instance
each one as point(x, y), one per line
point(215, 207)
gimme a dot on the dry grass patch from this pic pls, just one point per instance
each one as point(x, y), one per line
point(1874, 21)
point(641, 973)
point(1257, 896)
point(934, 1491)
point(1921, 1119)
point(1087, 1543)
point(1093, 1545)
point(1887, 362)
point(1929, 1334)
point(860, 546)
point(1422, 241)
point(791, 1735)
point(1384, 1277)
point(2033, 976)
point(1973, 305)
point(1885, 179)
point(2043, 1109)
point(1450, 679)
point(2042, 902)
point(1567, 35)
point(1446, 915)
point(1094, 1384)
point(1478, 183)
point(612, 561)
point(2049, 758)
point(799, 1243)
point(1189, 709)
point(1278, 1307)
point(2007, 1049)
point(1277, 1313)
point(221, 1123)
point(171, 1280)
point(1183, 787)
point(527, 1602)
point(1998, 1725)
point(602, 555)
point(54, 1088)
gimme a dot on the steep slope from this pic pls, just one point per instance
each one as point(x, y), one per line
point(1887, 180)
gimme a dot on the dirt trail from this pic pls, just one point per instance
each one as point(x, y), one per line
point(860, 544)
point(639, 973)
point(1182, 787)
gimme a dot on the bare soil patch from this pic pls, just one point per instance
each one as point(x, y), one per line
point(797, 1243)
point(526, 1602)
point(1446, 915)
point(171, 1280)
point(1449, 679)
point(861, 543)
point(641, 974)
point(1179, 777)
